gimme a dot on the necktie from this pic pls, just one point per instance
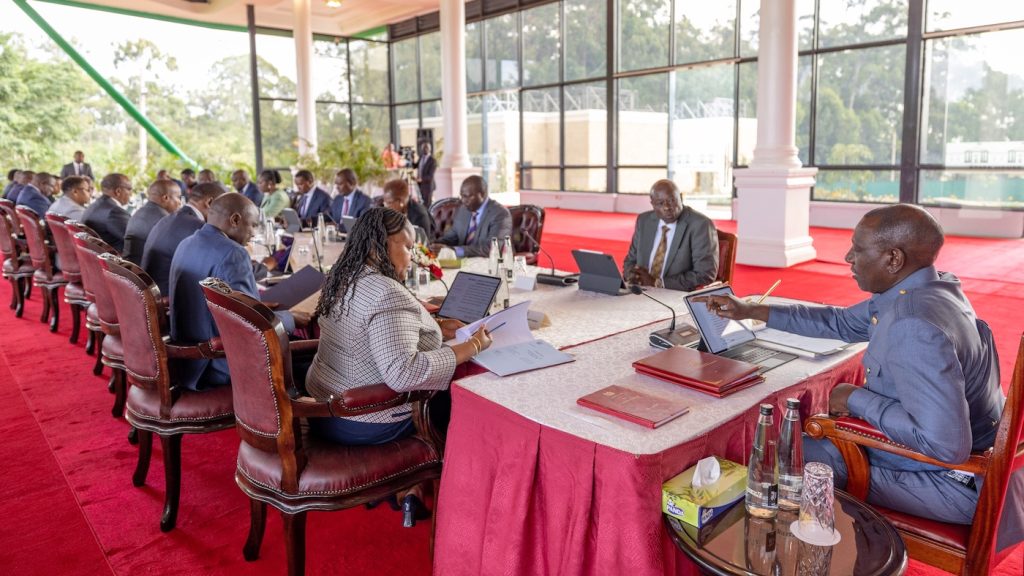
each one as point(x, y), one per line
point(659, 254)
point(78, 169)
point(305, 204)
point(344, 207)
point(471, 235)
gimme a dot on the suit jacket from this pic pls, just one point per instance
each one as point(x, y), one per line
point(357, 204)
point(425, 168)
point(163, 240)
point(691, 260)
point(420, 216)
point(252, 192)
point(139, 226)
point(67, 207)
point(108, 219)
point(382, 334)
point(69, 170)
point(14, 192)
point(495, 222)
point(319, 202)
point(31, 196)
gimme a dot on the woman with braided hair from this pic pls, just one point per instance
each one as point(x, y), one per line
point(373, 330)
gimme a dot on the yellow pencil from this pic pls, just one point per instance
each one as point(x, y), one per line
point(770, 290)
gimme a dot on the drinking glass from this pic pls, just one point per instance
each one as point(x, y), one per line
point(519, 266)
point(412, 279)
point(816, 523)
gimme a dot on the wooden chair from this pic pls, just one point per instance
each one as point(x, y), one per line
point(443, 212)
point(74, 292)
point(9, 208)
point(92, 319)
point(156, 405)
point(968, 550)
point(527, 227)
point(281, 466)
point(727, 244)
point(17, 268)
point(46, 277)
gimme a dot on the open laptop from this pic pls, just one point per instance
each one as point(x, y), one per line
point(729, 338)
point(347, 222)
point(291, 220)
point(599, 273)
point(470, 297)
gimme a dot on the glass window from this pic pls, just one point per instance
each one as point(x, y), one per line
point(878, 186)
point(705, 31)
point(541, 45)
point(845, 22)
point(542, 140)
point(859, 107)
point(541, 179)
point(276, 63)
point(750, 24)
point(493, 126)
point(431, 112)
point(474, 58)
point(369, 68)
point(639, 180)
point(406, 70)
point(586, 179)
point(643, 33)
point(747, 114)
point(430, 66)
point(643, 121)
point(278, 123)
point(700, 154)
point(974, 88)
point(408, 118)
point(803, 109)
point(586, 127)
point(332, 122)
point(995, 189)
point(953, 14)
point(586, 50)
point(330, 70)
point(502, 37)
point(372, 121)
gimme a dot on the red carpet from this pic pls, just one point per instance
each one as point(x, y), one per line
point(65, 491)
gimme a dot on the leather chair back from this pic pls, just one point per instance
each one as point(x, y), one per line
point(65, 247)
point(89, 248)
point(77, 227)
point(8, 208)
point(8, 244)
point(443, 212)
point(527, 221)
point(137, 305)
point(35, 237)
point(726, 256)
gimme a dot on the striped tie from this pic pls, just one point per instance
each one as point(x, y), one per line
point(659, 254)
point(471, 235)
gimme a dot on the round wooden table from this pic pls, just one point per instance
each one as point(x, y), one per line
point(738, 544)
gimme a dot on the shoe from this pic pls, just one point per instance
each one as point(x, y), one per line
point(412, 510)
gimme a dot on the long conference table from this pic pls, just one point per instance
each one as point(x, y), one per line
point(534, 484)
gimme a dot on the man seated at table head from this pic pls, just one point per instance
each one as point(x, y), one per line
point(673, 245)
point(350, 200)
point(106, 215)
point(311, 200)
point(73, 200)
point(163, 198)
point(217, 249)
point(39, 194)
point(931, 371)
point(25, 180)
point(168, 233)
point(243, 185)
point(477, 220)
point(398, 197)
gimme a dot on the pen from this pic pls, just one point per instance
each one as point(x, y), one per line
point(770, 290)
point(495, 329)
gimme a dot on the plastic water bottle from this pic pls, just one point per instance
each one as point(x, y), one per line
point(791, 457)
point(493, 259)
point(762, 498)
point(508, 268)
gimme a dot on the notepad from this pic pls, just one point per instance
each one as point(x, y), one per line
point(513, 348)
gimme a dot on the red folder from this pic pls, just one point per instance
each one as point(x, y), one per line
point(633, 405)
point(700, 371)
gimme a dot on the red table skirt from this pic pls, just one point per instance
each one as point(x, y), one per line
point(519, 498)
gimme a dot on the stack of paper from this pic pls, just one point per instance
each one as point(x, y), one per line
point(513, 348)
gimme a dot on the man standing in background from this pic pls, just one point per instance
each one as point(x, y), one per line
point(78, 167)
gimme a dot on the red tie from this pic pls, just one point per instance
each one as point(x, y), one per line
point(344, 207)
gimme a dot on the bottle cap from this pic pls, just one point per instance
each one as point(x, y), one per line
point(766, 409)
point(793, 403)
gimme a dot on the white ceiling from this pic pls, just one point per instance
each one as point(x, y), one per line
point(353, 17)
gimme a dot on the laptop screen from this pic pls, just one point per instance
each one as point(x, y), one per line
point(469, 299)
point(719, 334)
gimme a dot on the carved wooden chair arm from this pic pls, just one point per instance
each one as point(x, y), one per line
point(210, 349)
point(304, 348)
point(357, 401)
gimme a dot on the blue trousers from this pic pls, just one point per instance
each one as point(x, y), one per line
point(354, 433)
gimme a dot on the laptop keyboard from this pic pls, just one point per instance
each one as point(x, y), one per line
point(754, 355)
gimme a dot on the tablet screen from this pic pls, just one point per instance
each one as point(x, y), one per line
point(719, 333)
point(470, 297)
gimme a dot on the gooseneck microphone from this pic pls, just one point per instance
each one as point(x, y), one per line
point(551, 277)
point(668, 337)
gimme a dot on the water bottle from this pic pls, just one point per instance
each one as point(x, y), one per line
point(508, 268)
point(791, 457)
point(493, 258)
point(321, 228)
point(762, 498)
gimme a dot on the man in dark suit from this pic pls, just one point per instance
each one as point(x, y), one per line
point(312, 200)
point(106, 215)
point(425, 168)
point(163, 174)
point(77, 168)
point(39, 194)
point(164, 238)
point(12, 180)
point(673, 246)
point(241, 182)
point(398, 198)
point(477, 221)
point(25, 180)
point(164, 197)
point(217, 249)
point(350, 201)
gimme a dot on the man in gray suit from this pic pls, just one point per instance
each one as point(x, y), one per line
point(164, 198)
point(477, 221)
point(77, 168)
point(673, 246)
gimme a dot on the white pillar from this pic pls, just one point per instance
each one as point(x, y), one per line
point(773, 194)
point(305, 99)
point(455, 164)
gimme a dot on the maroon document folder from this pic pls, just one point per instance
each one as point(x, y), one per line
point(633, 405)
point(700, 371)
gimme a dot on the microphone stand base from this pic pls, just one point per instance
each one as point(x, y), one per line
point(557, 279)
point(666, 338)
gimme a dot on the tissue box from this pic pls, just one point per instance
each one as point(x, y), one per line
point(698, 506)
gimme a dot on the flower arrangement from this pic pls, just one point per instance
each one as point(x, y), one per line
point(424, 258)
